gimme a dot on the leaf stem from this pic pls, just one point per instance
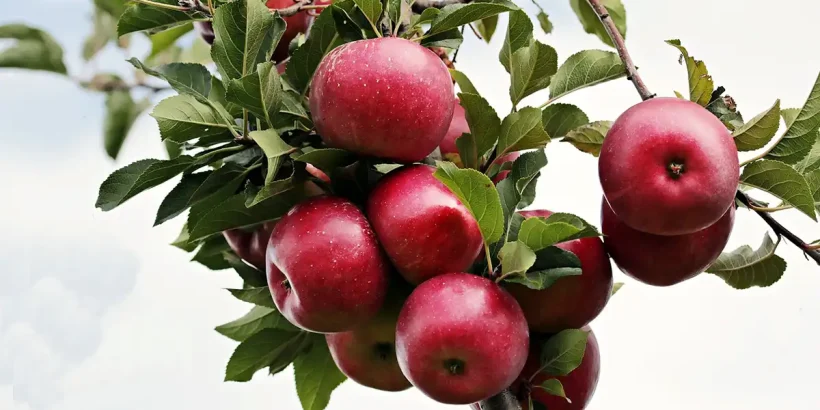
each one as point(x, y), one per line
point(772, 209)
point(161, 5)
point(490, 269)
point(477, 34)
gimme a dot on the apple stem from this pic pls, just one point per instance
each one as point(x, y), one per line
point(643, 90)
point(620, 46)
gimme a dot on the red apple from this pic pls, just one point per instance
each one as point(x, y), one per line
point(579, 385)
point(663, 260)
point(367, 354)
point(500, 161)
point(461, 338)
point(206, 30)
point(669, 167)
point(458, 127)
point(296, 24)
point(573, 301)
point(386, 97)
point(325, 269)
point(423, 228)
point(250, 245)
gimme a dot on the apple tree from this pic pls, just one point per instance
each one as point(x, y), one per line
point(378, 209)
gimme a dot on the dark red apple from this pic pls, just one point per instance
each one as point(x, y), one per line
point(250, 245)
point(325, 269)
point(461, 338)
point(367, 354)
point(423, 228)
point(296, 24)
point(669, 167)
point(663, 260)
point(573, 301)
point(458, 127)
point(386, 97)
point(206, 30)
point(579, 385)
point(500, 161)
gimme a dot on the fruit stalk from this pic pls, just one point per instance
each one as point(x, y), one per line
point(632, 72)
point(501, 401)
point(620, 46)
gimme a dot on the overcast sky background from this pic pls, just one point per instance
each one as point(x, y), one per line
point(97, 312)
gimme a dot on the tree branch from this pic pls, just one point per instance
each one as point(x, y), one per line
point(501, 401)
point(620, 45)
point(643, 90)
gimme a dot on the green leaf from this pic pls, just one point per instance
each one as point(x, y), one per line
point(463, 82)
point(306, 59)
point(211, 253)
point(559, 119)
point(521, 130)
point(126, 182)
point(274, 149)
point(372, 9)
point(519, 35)
point(812, 161)
point(729, 116)
point(183, 240)
point(259, 92)
point(113, 7)
point(543, 279)
point(589, 138)
point(269, 346)
point(563, 352)
point(531, 70)
point(190, 79)
point(523, 176)
point(745, 268)
point(351, 23)
point(232, 213)
point(218, 95)
point(449, 39)
point(478, 194)
point(813, 179)
point(258, 319)
point(105, 30)
point(316, 376)
point(394, 11)
point(457, 15)
point(120, 113)
point(198, 187)
point(467, 151)
point(616, 287)
point(540, 233)
point(33, 49)
point(165, 39)
point(429, 14)
point(553, 387)
point(802, 134)
point(544, 21)
point(516, 258)
point(781, 181)
point(260, 296)
point(756, 133)
point(486, 27)
point(327, 159)
point(701, 85)
point(183, 117)
point(592, 23)
point(143, 17)
point(246, 34)
point(585, 69)
point(485, 126)
point(249, 274)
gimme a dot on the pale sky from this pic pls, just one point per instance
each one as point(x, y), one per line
point(97, 312)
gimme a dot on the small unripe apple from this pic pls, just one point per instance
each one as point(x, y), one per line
point(572, 301)
point(669, 167)
point(250, 245)
point(422, 226)
point(367, 354)
point(663, 260)
point(461, 338)
point(325, 269)
point(296, 24)
point(386, 97)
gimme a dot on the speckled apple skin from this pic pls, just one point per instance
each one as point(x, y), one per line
point(634, 160)
point(573, 301)
point(336, 272)
point(459, 316)
point(297, 23)
point(387, 97)
point(663, 260)
point(250, 246)
point(424, 229)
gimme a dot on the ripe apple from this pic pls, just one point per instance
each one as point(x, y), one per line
point(297, 23)
point(325, 269)
point(458, 127)
point(573, 301)
point(579, 385)
point(386, 97)
point(367, 354)
point(500, 161)
point(669, 167)
point(461, 338)
point(422, 226)
point(206, 30)
point(663, 260)
point(250, 245)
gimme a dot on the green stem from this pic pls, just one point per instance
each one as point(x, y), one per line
point(489, 259)
point(161, 5)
